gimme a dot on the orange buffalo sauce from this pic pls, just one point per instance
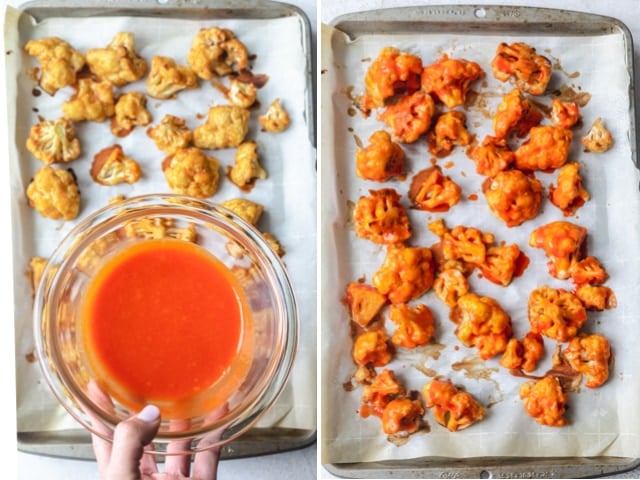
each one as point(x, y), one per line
point(167, 323)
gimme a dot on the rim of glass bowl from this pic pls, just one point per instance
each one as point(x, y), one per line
point(100, 221)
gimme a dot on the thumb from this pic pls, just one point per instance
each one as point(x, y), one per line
point(129, 440)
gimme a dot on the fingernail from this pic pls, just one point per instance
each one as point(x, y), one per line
point(149, 414)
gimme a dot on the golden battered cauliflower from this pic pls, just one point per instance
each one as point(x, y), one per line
point(405, 274)
point(226, 126)
point(216, 51)
point(246, 209)
point(273, 242)
point(190, 172)
point(555, 313)
point(275, 119)
point(166, 78)
point(59, 62)
point(54, 193)
point(598, 139)
point(92, 101)
point(452, 408)
point(545, 400)
point(246, 169)
point(53, 141)
point(589, 355)
point(118, 63)
point(171, 134)
point(130, 111)
point(160, 227)
point(241, 94)
point(111, 166)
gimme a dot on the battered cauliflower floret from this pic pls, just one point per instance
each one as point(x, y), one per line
point(216, 51)
point(246, 169)
point(449, 131)
point(452, 408)
point(513, 197)
point(53, 141)
point(590, 355)
point(449, 285)
point(171, 134)
point(569, 194)
point(405, 274)
point(524, 353)
point(59, 62)
point(546, 149)
point(492, 156)
point(246, 209)
point(564, 114)
point(92, 101)
point(502, 263)
point(190, 172)
point(596, 297)
point(515, 113)
point(275, 119)
point(432, 191)
point(481, 322)
point(555, 313)
point(381, 160)
point(588, 270)
point(462, 243)
point(449, 79)
point(36, 271)
point(373, 348)
point(545, 401)
point(241, 94)
point(166, 78)
point(531, 71)
point(563, 243)
point(159, 227)
point(598, 139)
point(111, 166)
point(92, 256)
point(414, 325)
point(375, 396)
point(402, 414)
point(54, 193)
point(381, 218)
point(364, 302)
point(118, 63)
point(226, 126)
point(410, 116)
point(130, 111)
point(273, 242)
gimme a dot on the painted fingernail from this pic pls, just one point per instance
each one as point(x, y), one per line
point(150, 413)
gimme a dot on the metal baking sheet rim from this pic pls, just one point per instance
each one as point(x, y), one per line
point(258, 441)
point(492, 19)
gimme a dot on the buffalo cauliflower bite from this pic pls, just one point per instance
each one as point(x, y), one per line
point(170, 134)
point(449, 79)
point(515, 113)
point(462, 243)
point(118, 63)
point(53, 141)
point(216, 51)
point(524, 353)
point(159, 227)
point(492, 156)
point(166, 78)
point(589, 355)
point(111, 166)
point(546, 149)
point(405, 273)
point(502, 263)
point(402, 414)
point(381, 218)
point(241, 94)
point(452, 408)
point(449, 131)
point(588, 270)
point(381, 160)
point(564, 114)
point(598, 139)
point(190, 172)
point(364, 302)
point(226, 126)
point(376, 395)
point(92, 101)
point(449, 285)
point(59, 62)
point(513, 196)
point(569, 194)
point(275, 119)
point(545, 401)
point(531, 71)
point(562, 243)
point(373, 348)
point(481, 322)
point(596, 297)
point(130, 111)
point(410, 116)
point(54, 193)
point(432, 191)
point(249, 211)
point(246, 169)
point(555, 313)
point(414, 325)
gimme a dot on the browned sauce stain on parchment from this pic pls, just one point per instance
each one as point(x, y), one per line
point(475, 368)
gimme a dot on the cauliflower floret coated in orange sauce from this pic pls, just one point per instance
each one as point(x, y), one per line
point(524, 353)
point(54, 193)
point(189, 171)
point(171, 134)
point(452, 408)
point(381, 218)
point(381, 160)
point(545, 401)
point(492, 156)
point(449, 79)
point(481, 322)
point(364, 302)
point(217, 51)
point(53, 141)
point(546, 149)
point(569, 194)
point(249, 211)
point(275, 119)
point(402, 414)
point(118, 63)
point(564, 114)
point(130, 111)
point(59, 62)
point(414, 325)
point(555, 313)
point(462, 243)
point(513, 196)
point(226, 126)
point(598, 139)
point(92, 101)
point(590, 355)
point(596, 297)
point(372, 347)
point(406, 273)
point(376, 395)
point(410, 116)
point(531, 71)
point(502, 263)
point(166, 78)
point(515, 113)
point(111, 166)
point(246, 168)
point(449, 285)
point(588, 270)
point(449, 131)
point(432, 191)
point(562, 242)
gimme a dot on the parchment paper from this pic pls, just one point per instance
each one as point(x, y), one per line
point(604, 421)
point(288, 194)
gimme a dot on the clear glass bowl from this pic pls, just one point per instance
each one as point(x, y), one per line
point(238, 245)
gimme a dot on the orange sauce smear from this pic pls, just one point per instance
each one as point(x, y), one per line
point(164, 323)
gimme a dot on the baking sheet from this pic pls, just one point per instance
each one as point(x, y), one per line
point(288, 193)
point(605, 422)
